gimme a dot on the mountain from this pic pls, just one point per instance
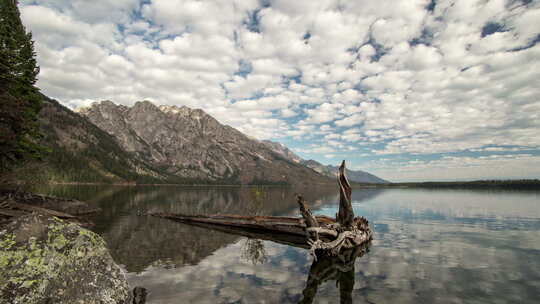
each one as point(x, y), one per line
point(194, 147)
point(330, 171)
point(79, 151)
point(353, 175)
point(282, 150)
point(145, 143)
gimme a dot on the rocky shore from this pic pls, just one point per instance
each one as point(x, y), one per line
point(46, 256)
point(14, 204)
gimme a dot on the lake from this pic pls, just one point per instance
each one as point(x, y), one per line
point(443, 246)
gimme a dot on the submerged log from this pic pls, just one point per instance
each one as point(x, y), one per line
point(323, 235)
point(272, 224)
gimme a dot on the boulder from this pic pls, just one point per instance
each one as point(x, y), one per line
point(47, 260)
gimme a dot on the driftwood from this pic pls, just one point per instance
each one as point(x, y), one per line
point(10, 208)
point(323, 235)
point(279, 224)
point(46, 211)
point(345, 214)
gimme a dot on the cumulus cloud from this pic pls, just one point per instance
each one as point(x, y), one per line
point(510, 166)
point(405, 77)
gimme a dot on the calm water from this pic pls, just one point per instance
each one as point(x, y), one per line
point(444, 246)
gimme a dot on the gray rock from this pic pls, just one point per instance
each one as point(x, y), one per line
point(192, 145)
point(82, 152)
point(46, 260)
point(282, 150)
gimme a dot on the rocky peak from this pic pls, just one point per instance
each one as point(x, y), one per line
point(193, 145)
point(144, 105)
point(183, 110)
point(105, 103)
point(282, 150)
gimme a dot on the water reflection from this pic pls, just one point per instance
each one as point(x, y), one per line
point(444, 246)
point(324, 268)
point(447, 246)
point(139, 241)
point(333, 268)
point(254, 252)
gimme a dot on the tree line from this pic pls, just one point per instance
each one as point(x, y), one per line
point(20, 101)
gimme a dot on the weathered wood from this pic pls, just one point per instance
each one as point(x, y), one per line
point(312, 225)
point(11, 213)
point(12, 209)
point(295, 240)
point(259, 226)
point(345, 214)
point(318, 233)
point(309, 219)
point(291, 225)
point(65, 206)
point(30, 208)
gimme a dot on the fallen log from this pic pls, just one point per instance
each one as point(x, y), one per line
point(254, 226)
point(321, 234)
point(46, 211)
point(11, 209)
point(11, 213)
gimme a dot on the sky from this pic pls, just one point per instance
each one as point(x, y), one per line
point(409, 90)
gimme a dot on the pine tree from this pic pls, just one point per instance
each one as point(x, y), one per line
point(20, 100)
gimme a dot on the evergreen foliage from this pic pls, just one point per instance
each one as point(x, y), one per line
point(20, 101)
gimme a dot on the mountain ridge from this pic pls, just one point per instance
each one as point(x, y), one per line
point(151, 144)
point(192, 144)
point(81, 152)
point(358, 176)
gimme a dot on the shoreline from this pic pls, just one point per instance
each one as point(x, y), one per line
point(529, 184)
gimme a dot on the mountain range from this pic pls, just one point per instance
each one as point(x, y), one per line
point(146, 143)
point(326, 170)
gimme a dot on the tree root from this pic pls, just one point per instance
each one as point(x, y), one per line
point(348, 232)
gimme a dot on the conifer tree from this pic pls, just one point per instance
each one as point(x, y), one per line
point(20, 101)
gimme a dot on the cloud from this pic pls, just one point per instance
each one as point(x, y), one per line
point(316, 149)
point(505, 166)
point(410, 77)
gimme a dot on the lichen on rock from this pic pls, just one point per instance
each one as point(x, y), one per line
point(47, 260)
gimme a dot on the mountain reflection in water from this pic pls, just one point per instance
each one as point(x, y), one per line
point(444, 246)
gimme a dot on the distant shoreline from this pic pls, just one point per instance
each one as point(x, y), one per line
point(527, 184)
point(177, 185)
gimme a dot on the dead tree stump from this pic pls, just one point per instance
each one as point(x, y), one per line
point(321, 234)
point(345, 214)
point(347, 232)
